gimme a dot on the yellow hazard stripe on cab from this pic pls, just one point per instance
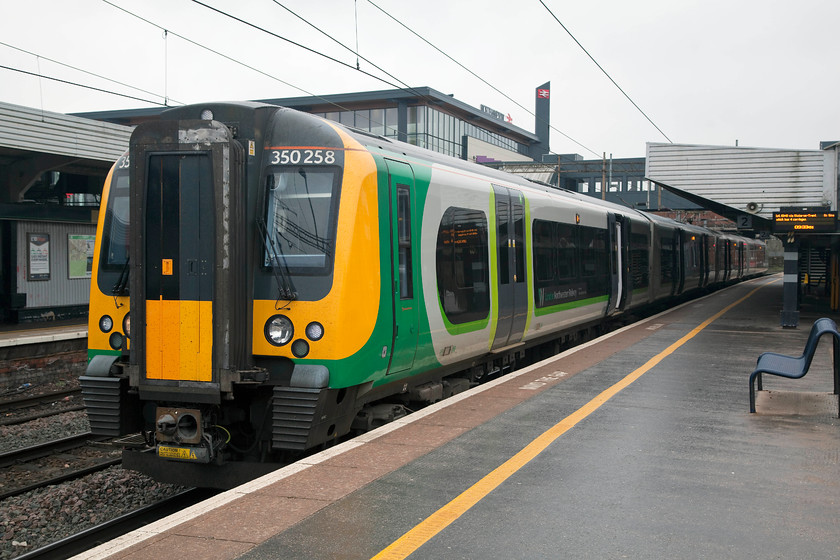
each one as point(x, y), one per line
point(179, 340)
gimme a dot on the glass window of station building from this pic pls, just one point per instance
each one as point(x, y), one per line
point(420, 116)
point(426, 127)
point(592, 185)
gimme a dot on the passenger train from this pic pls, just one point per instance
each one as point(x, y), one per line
point(267, 281)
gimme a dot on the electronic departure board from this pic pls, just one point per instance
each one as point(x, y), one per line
point(805, 221)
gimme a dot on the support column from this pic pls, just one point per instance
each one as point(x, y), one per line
point(790, 304)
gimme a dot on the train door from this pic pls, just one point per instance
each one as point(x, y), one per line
point(179, 259)
point(720, 259)
point(511, 276)
point(681, 260)
point(619, 277)
point(404, 272)
point(728, 260)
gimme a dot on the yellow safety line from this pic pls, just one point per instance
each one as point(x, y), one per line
point(439, 520)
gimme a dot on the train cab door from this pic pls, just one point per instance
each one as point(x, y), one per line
point(405, 288)
point(179, 257)
point(511, 278)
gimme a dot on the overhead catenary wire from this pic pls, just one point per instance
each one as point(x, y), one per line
point(604, 71)
point(485, 82)
point(83, 71)
point(406, 87)
point(76, 84)
point(166, 31)
point(295, 43)
point(226, 57)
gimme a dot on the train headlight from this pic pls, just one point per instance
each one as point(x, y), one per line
point(106, 323)
point(127, 325)
point(207, 115)
point(314, 331)
point(279, 330)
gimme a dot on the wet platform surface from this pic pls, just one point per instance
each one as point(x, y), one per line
point(637, 445)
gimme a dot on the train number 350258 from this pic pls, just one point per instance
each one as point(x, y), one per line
point(294, 157)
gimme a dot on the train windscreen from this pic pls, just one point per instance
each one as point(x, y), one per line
point(113, 254)
point(300, 219)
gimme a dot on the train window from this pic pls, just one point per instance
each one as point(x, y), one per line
point(519, 241)
point(639, 260)
point(555, 252)
point(113, 254)
point(300, 220)
point(593, 243)
point(667, 254)
point(556, 263)
point(404, 241)
point(115, 243)
point(463, 265)
point(570, 263)
point(503, 236)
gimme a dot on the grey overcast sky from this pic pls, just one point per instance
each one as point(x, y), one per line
point(760, 72)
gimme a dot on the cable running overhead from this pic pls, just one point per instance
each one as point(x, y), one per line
point(604, 71)
point(485, 82)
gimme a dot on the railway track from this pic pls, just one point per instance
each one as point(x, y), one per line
point(89, 538)
point(40, 450)
point(54, 462)
point(26, 409)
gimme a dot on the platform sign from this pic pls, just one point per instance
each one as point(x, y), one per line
point(38, 256)
point(805, 222)
point(80, 255)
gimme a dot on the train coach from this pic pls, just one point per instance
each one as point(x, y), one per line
point(267, 281)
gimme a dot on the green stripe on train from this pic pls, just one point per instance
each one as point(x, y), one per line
point(539, 312)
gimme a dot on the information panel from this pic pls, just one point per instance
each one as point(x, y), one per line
point(804, 222)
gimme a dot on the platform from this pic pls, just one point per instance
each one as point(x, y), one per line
point(38, 333)
point(637, 445)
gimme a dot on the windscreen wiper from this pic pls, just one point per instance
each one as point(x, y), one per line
point(279, 267)
point(121, 287)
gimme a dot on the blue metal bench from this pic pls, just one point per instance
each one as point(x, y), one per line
point(796, 367)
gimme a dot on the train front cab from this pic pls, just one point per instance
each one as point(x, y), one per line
point(212, 300)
